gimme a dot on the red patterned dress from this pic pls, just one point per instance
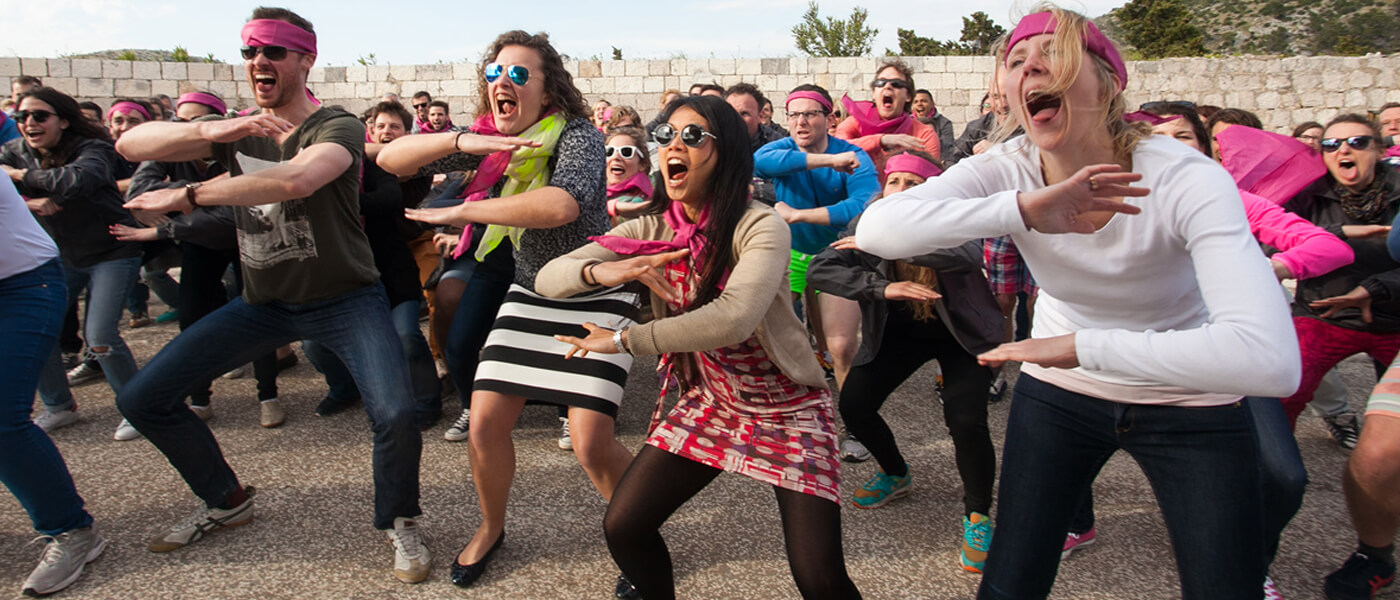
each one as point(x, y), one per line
point(739, 413)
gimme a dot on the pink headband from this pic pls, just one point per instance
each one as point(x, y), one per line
point(913, 164)
point(809, 95)
point(206, 99)
point(128, 107)
point(272, 32)
point(1149, 118)
point(1094, 41)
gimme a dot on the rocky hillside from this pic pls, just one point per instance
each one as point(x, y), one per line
point(1289, 27)
point(178, 55)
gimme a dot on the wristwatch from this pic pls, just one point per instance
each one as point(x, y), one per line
point(189, 193)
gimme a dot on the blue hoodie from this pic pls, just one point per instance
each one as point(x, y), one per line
point(844, 196)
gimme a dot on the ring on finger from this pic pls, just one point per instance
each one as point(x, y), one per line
point(1093, 185)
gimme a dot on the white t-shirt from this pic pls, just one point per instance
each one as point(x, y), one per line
point(26, 244)
point(1174, 305)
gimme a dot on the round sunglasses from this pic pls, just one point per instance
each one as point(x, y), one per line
point(691, 135)
point(627, 152)
point(1357, 142)
point(518, 75)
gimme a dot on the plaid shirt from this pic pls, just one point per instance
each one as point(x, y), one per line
point(1005, 270)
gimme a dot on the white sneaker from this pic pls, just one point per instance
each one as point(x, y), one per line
point(238, 373)
point(852, 450)
point(459, 429)
point(125, 432)
point(49, 421)
point(65, 555)
point(201, 523)
point(411, 558)
point(566, 442)
point(271, 413)
point(203, 412)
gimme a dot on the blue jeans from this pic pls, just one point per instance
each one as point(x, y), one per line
point(1282, 477)
point(1202, 464)
point(427, 389)
point(159, 282)
point(31, 313)
point(476, 314)
point(108, 283)
point(356, 326)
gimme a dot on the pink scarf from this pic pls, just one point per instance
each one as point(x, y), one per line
point(639, 182)
point(688, 235)
point(492, 168)
point(868, 118)
point(427, 127)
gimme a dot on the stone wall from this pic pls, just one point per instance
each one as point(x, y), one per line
point(1283, 91)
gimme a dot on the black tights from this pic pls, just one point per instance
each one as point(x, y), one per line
point(658, 482)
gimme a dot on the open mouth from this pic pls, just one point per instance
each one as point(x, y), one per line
point(1347, 168)
point(264, 82)
point(506, 106)
point(887, 102)
point(1042, 106)
point(616, 169)
point(676, 171)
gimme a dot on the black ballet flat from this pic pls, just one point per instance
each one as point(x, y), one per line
point(465, 575)
point(625, 590)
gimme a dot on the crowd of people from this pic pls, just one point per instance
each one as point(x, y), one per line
point(789, 278)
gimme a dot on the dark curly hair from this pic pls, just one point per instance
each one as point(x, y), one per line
point(79, 127)
point(558, 84)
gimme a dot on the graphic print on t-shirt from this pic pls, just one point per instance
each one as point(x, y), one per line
point(277, 232)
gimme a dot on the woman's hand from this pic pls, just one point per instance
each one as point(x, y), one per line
point(125, 233)
point(908, 290)
point(1062, 208)
point(1361, 232)
point(1358, 297)
point(645, 269)
point(15, 175)
point(161, 201)
point(43, 207)
point(599, 340)
point(472, 143)
point(452, 215)
point(1055, 352)
point(900, 141)
point(845, 243)
point(445, 242)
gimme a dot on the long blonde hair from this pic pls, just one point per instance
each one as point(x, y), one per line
point(1068, 47)
point(903, 271)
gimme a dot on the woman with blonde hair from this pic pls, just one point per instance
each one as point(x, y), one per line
point(1158, 313)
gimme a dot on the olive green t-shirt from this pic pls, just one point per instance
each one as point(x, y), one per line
point(306, 249)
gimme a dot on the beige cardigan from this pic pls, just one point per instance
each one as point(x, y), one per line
point(756, 299)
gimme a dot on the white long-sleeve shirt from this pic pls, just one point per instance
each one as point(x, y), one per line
point(1174, 305)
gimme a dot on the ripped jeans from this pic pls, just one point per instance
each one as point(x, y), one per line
point(107, 283)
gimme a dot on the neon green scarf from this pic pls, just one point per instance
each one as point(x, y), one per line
point(528, 170)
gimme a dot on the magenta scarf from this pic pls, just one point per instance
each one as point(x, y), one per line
point(492, 168)
point(688, 235)
point(869, 119)
point(426, 127)
point(640, 182)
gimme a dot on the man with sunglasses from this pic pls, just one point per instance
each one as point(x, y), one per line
point(821, 183)
point(308, 273)
point(421, 101)
point(883, 125)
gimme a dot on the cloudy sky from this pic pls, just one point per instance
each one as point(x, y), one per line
point(453, 31)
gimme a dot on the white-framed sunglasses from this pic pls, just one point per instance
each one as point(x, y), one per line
point(627, 152)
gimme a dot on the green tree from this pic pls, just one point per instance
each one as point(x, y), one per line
point(180, 54)
point(617, 53)
point(980, 33)
point(913, 44)
point(1160, 28)
point(832, 36)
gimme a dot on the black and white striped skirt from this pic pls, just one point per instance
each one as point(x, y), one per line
point(522, 358)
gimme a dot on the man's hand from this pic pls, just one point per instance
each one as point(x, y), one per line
point(231, 130)
point(845, 162)
point(1365, 231)
point(160, 201)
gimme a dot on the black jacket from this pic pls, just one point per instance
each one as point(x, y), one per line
point(944, 127)
point(1373, 268)
point(967, 307)
point(381, 205)
point(207, 226)
point(85, 188)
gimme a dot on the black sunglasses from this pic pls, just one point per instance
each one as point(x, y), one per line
point(1357, 142)
point(1158, 105)
point(20, 116)
point(273, 53)
point(691, 135)
point(627, 152)
point(898, 84)
point(423, 105)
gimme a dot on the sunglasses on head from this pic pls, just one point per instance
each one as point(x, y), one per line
point(627, 152)
point(20, 116)
point(270, 52)
point(898, 84)
point(1161, 104)
point(518, 75)
point(1357, 142)
point(691, 135)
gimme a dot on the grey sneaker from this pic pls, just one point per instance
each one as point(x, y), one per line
point(125, 432)
point(1345, 429)
point(271, 413)
point(459, 430)
point(203, 521)
point(411, 558)
point(49, 421)
point(85, 372)
point(566, 441)
point(852, 450)
point(65, 555)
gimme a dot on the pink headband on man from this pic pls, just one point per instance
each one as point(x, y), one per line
point(272, 32)
point(1094, 41)
point(209, 100)
point(128, 107)
point(912, 164)
point(809, 95)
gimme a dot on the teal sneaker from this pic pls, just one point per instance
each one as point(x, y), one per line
point(977, 539)
point(168, 316)
point(882, 489)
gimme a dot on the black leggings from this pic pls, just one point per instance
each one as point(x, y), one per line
point(658, 482)
point(202, 292)
point(906, 346)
